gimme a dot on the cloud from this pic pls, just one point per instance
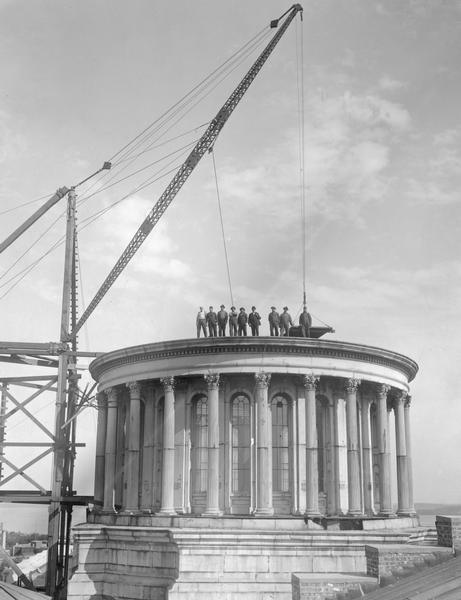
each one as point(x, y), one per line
point(386, 83)
point(12, 143)
point(438, 169)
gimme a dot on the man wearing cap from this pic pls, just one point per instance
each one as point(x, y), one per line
point(233, 321)
point(242, 320)
point(285, 322)
point(212, 321)
point(254, 320)
point(222, 321)
point(274, 321)
point(201, 322)
point(305, 320)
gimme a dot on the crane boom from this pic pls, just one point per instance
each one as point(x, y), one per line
point(204, 143)
point(31, 220)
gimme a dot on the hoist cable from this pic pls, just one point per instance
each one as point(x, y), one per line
point(87, 222)
point(84, 197)
point(211, 151)
point(201, 83)
point(301, 141)
point(8, 210)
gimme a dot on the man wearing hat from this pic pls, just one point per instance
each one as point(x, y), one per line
point(201, 322)
point(274, 321)
point(212, 321)
point(242, 320)
point(222, 321)
point(233, 321)
point(285, 322)
point(254, 320)
point(305, 320)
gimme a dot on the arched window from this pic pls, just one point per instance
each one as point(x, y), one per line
point(322, 441)
point(375, 455)
point(280, 445)
point(241, 445)
point(199, 458)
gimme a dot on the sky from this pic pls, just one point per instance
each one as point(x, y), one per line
point(382, 170)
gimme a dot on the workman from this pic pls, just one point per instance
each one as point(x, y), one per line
point(305, 320)
point(254, 320)
point(274, 321)
point(212, 321)
point(285, 322)
point(242, 321)
point(222, 321)
point(201, 322)
point(233, 321)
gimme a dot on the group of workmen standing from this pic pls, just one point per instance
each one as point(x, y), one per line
point(214, 324)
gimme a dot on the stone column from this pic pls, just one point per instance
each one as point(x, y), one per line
point(353, 458)
point(133, 447)
point(263, 446)
point(147, 485)
point(301, 450)
point(167, 507)
point(366, 457)
point(111, 446)
point(384, 449)
point(403, 492)
point(312, 467)
point(212, 502)
point(409, 462)
point(100, 451)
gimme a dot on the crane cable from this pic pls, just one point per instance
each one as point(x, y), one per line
point(211, 151)
point(301, 141)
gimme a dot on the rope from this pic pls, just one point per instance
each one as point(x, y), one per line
point(211, 151)
point(301, 138)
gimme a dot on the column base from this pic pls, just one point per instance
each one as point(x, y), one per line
point(264, 512)
point(312, 514)
point(167, 512)
point(212, 512)
point(355, 513)
point(406, 512)
point(386, 514)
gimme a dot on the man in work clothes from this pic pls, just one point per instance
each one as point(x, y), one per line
point(222, 321)
point(305, 320)
point(242, 321)
point(285, 322)
point(254, 320)
point(274, 321)
point(233, 322)
point(201, 322)
point(212, 321)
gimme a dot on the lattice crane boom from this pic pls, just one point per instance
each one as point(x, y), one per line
point(205, 142)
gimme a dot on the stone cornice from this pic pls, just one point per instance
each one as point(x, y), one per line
point(254, 346)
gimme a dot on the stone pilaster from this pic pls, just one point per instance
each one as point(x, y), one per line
point(406, 412)
point(263, 446)
point(147, 479)
point(312, 475)
point(167, 506)
point(99, 474)
point(353, 457)
point(366, 457)
point(212, 505)
point(133, 447)
point(384, 452)
point(111, 441)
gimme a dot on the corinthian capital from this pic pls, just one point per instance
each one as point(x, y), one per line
point(134, 387)
point(310, 381)
point(212, 380)
point(352, 385)
point(383, 390)
point(262, 379)
point(408, 401)
point(168, 383)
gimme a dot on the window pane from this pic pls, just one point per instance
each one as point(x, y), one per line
point(200, 445)
point(280, 443)
point(241, 450)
